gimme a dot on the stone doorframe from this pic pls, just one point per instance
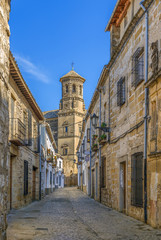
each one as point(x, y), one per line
point(122, 160)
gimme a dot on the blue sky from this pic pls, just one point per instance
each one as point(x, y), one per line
point(47, 36)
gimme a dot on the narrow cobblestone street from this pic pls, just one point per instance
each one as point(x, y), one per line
point(70, 214)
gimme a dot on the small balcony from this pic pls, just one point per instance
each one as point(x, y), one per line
point(17, 132)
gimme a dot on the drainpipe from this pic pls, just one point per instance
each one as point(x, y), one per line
point(109, 109)
point(81, 171)
point(90, 160)
point(146, 109)
point(40, 160)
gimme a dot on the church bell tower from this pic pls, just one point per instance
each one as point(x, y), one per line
point(70, 117)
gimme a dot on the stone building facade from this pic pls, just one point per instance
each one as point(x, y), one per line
point(4, 78)
point(24, 123)
point(52, 118)
point(120, 183)
point(68, 124)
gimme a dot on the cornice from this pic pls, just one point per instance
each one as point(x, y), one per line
point(21, 84)
point(70, 113)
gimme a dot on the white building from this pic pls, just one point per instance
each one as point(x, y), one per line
point(59, 173)
point(48, 158)
point(83, 161)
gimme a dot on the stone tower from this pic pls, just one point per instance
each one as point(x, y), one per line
point(70, 117)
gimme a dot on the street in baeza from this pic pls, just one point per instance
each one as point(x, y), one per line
point(69, 214)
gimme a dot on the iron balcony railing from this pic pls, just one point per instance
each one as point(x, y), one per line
point(17, 134)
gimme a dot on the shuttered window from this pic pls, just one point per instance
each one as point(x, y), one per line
point(25, 178)
point(137, 180)
point(121, 92)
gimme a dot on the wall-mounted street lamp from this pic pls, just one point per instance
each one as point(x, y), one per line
point(95, 122)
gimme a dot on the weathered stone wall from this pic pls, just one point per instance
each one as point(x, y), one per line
point(154, 124)
point(4, 77)
point(127, 120)
point(19, 152)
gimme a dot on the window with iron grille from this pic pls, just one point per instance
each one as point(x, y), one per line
point(25, 178)
point(121, 92)
point(137, 179)
point(138, 67)
point(103, 172)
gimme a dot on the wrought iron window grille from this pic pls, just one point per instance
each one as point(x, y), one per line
point(137, 179)
point(138, 67)
point(121, 96)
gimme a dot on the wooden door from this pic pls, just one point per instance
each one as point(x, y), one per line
point(123, 187)
point(34, 184)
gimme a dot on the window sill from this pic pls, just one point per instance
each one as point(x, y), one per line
point(154, 154)
point(137, 206)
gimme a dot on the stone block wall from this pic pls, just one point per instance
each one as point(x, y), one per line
point(4, 77)
point(127, 120)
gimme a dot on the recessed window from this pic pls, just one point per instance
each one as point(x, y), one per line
point(66, 129)
point(80, 90)
point(65, 151)
point(138, 66)
point(66, 88)
point(74, 88)
point(137, 180)
point(121, 92)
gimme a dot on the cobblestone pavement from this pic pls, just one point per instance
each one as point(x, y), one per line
point(68, 214)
